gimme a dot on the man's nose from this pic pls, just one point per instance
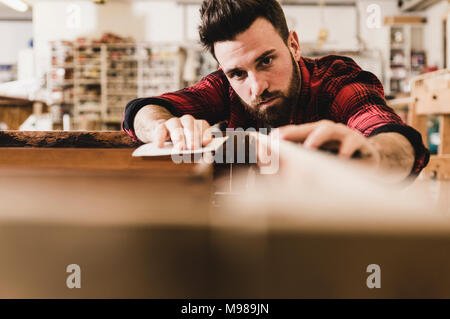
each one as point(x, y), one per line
point(258, 85)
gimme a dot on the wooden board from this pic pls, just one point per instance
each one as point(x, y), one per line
point(67, 139)
point(106, 197)
point(14, 111)
point(438, 167)
point(431, 94)
point(90, 158)
point(310, 231)
point(147, 230)
point(133, 219)
point(444, 133)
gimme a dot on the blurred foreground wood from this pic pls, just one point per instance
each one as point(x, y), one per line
point(430, 93)
point(147, 229)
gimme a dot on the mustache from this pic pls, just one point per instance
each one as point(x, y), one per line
point(266, 96)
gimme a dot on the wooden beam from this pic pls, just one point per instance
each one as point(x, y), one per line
point(438, 167)
point(432, 95)
point(444, 133)
point(66, 139)
point(419, 122)
point(93, 159)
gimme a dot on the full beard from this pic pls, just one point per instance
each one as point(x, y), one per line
point(279, 113)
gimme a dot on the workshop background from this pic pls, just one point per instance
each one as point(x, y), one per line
point(151, 228)
point(74, 64)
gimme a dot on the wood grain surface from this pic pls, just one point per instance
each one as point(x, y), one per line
point(66, 139)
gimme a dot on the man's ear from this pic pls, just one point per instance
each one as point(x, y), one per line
point(294, 45)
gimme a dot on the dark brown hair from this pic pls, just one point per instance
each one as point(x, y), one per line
point(223, 20)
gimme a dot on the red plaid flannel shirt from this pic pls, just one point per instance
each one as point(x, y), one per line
point(333, 88)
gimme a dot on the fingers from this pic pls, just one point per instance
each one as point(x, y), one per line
point(296, 133)
point(195, 132)
point(160, 134)
point(322, 134)
point(185, 132)
point(263, 149)
point(206, 132)
point(189, 130)
point(317, 134)
point(176, 132)
point(349, 146)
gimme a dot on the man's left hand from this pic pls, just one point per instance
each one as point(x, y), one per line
point(317, 134)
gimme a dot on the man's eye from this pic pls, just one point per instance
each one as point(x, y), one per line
point(267, 61)
point(238, 74)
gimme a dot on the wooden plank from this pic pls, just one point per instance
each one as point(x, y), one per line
point(444, 133)
point(96, 159)
point(116, 262)
point(194, 262)
point(437, 102)
point(14, 115)
point(309, 231)
point(419, 122)
point(320, 224)
point(14, 111)
point(438, 167)
point(432, 95)
point(104, 197)
point(66, 139)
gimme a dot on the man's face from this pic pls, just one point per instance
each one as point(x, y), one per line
point(263, 71)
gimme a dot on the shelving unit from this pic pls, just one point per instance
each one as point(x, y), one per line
point(406, 56)
point(105, 77)
point(87, 84)
point(60, 81)
point(159, 69)
point(119, 80)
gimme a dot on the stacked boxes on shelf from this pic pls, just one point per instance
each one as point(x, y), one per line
point(120, 80)
point(406, 53)
point(99, 79)
point(60, 80)
point(87, 83)
point(160, 69)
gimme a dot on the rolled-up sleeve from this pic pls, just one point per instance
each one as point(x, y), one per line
point(206, 100)
point(361, 105)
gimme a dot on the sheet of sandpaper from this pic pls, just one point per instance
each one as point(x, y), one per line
point(151, 149)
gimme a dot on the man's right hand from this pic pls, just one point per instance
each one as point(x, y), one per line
point(154, 123)
point(185, 132)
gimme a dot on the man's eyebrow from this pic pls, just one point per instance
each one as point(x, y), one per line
point(229, 72)
point(258, 59)
point(264, 55)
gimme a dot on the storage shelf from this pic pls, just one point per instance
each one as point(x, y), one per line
point(137, 69)
point(404, 49)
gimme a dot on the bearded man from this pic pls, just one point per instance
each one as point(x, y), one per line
point(264, 82)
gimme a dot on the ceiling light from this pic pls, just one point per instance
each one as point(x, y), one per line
point(17, 5)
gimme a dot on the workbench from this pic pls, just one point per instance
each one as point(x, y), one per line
point(15, 110)
point(147, 228)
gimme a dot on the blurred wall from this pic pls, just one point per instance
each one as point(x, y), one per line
point(169, 22)
point(340, 22)
point(68, 20)
point(15, 35)
point(163, 21)
point(434, 33)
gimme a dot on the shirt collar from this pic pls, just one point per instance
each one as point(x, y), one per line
point(305, 90)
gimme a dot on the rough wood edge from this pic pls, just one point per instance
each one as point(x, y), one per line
point(68, 139)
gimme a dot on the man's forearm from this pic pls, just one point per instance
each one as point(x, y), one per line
point(396, 154)
point(146, 120)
